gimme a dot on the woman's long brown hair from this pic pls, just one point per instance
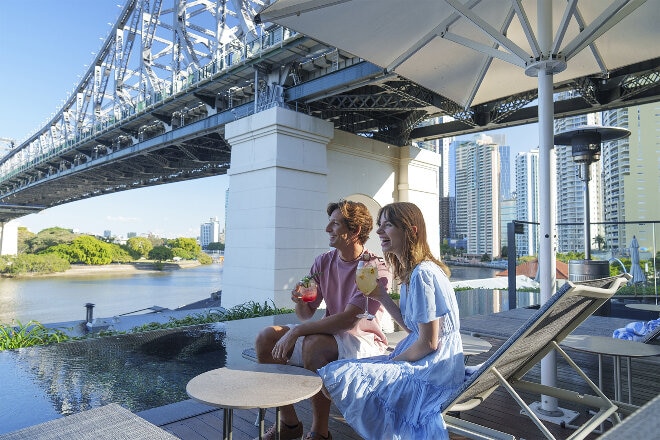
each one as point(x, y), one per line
point(405, 215)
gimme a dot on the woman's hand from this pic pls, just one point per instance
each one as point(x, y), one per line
point(379, 292)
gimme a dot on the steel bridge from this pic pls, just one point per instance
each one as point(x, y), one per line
point(152, 107)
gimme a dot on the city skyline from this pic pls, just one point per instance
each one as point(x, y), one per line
point(39, 70)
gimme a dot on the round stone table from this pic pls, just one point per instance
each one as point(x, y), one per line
point(255, 386)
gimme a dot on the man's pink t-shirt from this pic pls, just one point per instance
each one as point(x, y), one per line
point(336, 285)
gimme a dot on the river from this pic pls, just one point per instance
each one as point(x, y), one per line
point(61, 299)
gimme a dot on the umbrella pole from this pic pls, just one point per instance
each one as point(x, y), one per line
point(547, 264)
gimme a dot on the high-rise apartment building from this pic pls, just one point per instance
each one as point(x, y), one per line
point(477, 182)
point(441, 146)
point(570, 190)
point(631, 177)
point(505, 172)
point(527, 202)
point(209, 232)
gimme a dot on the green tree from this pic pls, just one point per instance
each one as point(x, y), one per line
point(204, 259)
point(161, 253)
point(599, 241)
point(120, 254)
point(485, 258)
point(184, 254)
point(565, 258)
point(215, 246)
point(30, 263)
point(84, 249)
point(187, 244)
point(24, 235)
point(139, 246)
point(49, 237)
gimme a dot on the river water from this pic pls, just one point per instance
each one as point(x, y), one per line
point(61, 299)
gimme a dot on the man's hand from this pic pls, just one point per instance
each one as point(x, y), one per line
point(284, 347)
point(296, 296)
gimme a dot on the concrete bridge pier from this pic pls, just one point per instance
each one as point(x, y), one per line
point(9, 238)
point(275, 204)
point(285, 168)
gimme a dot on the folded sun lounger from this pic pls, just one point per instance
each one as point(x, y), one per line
point(542, 333)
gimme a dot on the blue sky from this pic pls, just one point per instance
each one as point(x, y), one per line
point(44, 47)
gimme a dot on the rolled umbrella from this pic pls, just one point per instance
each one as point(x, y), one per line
point(636, 271)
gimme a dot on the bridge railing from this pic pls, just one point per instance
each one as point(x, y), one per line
point(233, 54)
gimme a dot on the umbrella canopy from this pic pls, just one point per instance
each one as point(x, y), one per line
point(473, 51)
point(635, 269)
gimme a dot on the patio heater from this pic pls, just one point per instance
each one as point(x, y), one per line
point(585, 143)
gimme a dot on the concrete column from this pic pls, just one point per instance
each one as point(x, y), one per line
point(419, 183)
point(9, 238)
point(275, 204)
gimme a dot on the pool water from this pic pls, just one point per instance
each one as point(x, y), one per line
point(140, 371)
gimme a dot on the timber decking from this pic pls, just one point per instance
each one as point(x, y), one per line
point(499, 411)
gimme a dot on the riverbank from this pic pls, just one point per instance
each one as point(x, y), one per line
point(139, 267)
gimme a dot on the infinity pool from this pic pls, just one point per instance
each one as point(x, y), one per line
point(140, 371)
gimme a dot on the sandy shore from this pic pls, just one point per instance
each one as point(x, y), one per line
point(80, 270)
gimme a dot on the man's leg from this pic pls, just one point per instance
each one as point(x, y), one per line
point(319, 350)
point(266, 340)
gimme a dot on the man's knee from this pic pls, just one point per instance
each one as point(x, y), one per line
point(266, 340)
point(319, 350)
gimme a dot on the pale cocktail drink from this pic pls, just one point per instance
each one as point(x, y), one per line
point(366, 278)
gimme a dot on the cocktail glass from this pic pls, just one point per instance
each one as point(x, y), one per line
point(308, 292)
point(366, 278)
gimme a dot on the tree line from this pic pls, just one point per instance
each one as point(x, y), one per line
point(55, 249)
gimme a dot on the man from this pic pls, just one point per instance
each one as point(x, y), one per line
point(340, 334)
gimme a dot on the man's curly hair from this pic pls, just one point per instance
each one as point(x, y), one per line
point(356, 217)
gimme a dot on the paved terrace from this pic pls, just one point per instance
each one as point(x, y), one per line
point(192, 421)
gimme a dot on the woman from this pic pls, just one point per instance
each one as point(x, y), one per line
point(398, 396)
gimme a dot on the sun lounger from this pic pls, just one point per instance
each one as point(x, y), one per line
point(541, 334)
point(107, 422)
point(643, 423)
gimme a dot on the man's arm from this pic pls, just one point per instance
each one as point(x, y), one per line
point(329, 325)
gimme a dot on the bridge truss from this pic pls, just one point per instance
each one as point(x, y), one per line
point(151, 108)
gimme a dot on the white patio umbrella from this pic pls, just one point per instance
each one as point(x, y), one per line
point(635, 269)
point(475, 51)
